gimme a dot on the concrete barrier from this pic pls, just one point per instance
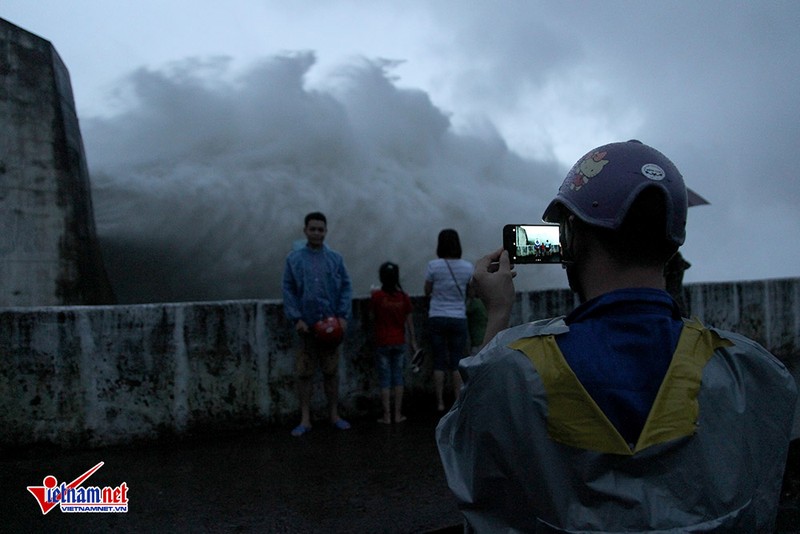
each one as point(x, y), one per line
point(49, 253)
point(102, 375)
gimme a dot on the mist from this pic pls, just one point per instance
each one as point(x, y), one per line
point(201, 184)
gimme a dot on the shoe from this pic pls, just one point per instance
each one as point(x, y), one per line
point(299, 430)
point(341, 424)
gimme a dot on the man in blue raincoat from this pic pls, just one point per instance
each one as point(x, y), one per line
point(317, 295)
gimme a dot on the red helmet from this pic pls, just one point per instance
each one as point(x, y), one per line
point(328, 331)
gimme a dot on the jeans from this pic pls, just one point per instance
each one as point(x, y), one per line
point(390, 361)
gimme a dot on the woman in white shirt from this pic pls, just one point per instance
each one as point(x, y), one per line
point(446, 282)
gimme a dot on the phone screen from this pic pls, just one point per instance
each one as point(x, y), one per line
point(532, 243)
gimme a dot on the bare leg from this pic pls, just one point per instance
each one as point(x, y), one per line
point(438, 379)
point(387, 414)
point(332, 393)
point(398, 405)
point(304, 393)
point(456, 384)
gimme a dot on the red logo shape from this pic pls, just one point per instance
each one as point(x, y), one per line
point(50, 482)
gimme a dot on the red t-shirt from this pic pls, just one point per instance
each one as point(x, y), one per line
point(390, 311)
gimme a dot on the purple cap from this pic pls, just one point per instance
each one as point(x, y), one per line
point(603, 184)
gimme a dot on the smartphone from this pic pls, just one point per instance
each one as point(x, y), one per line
point(532, 243)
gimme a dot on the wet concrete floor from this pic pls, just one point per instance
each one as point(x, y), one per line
point(371, 478)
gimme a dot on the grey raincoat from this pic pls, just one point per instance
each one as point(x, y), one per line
point(526, 449)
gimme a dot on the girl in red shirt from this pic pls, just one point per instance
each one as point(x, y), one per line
point(391, 308)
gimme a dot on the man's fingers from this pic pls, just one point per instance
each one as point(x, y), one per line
point(505, 263)
point(488, 263)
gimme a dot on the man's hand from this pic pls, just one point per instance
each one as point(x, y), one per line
point(494, 284)
point(301, 327)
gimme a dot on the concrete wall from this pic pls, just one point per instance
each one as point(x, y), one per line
point(113, 374)
point(48, 250)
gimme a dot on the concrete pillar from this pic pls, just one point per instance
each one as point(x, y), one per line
point(48, 247)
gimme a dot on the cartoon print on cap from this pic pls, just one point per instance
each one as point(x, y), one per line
point(588, 168)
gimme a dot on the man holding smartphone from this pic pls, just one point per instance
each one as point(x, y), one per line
point(622, 416)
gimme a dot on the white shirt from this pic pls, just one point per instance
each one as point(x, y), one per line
point(449, 290)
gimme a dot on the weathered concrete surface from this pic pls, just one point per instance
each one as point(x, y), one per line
point(48, 249)
point(767, 311)
point(113, 374)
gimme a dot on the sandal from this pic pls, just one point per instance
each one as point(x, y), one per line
point(300, 429)
point(341, 424)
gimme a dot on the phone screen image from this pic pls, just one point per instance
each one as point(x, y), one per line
point(532, 243)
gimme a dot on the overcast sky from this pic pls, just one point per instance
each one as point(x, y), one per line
point(212, 127)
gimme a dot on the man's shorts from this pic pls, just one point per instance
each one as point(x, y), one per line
point(312, 354)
